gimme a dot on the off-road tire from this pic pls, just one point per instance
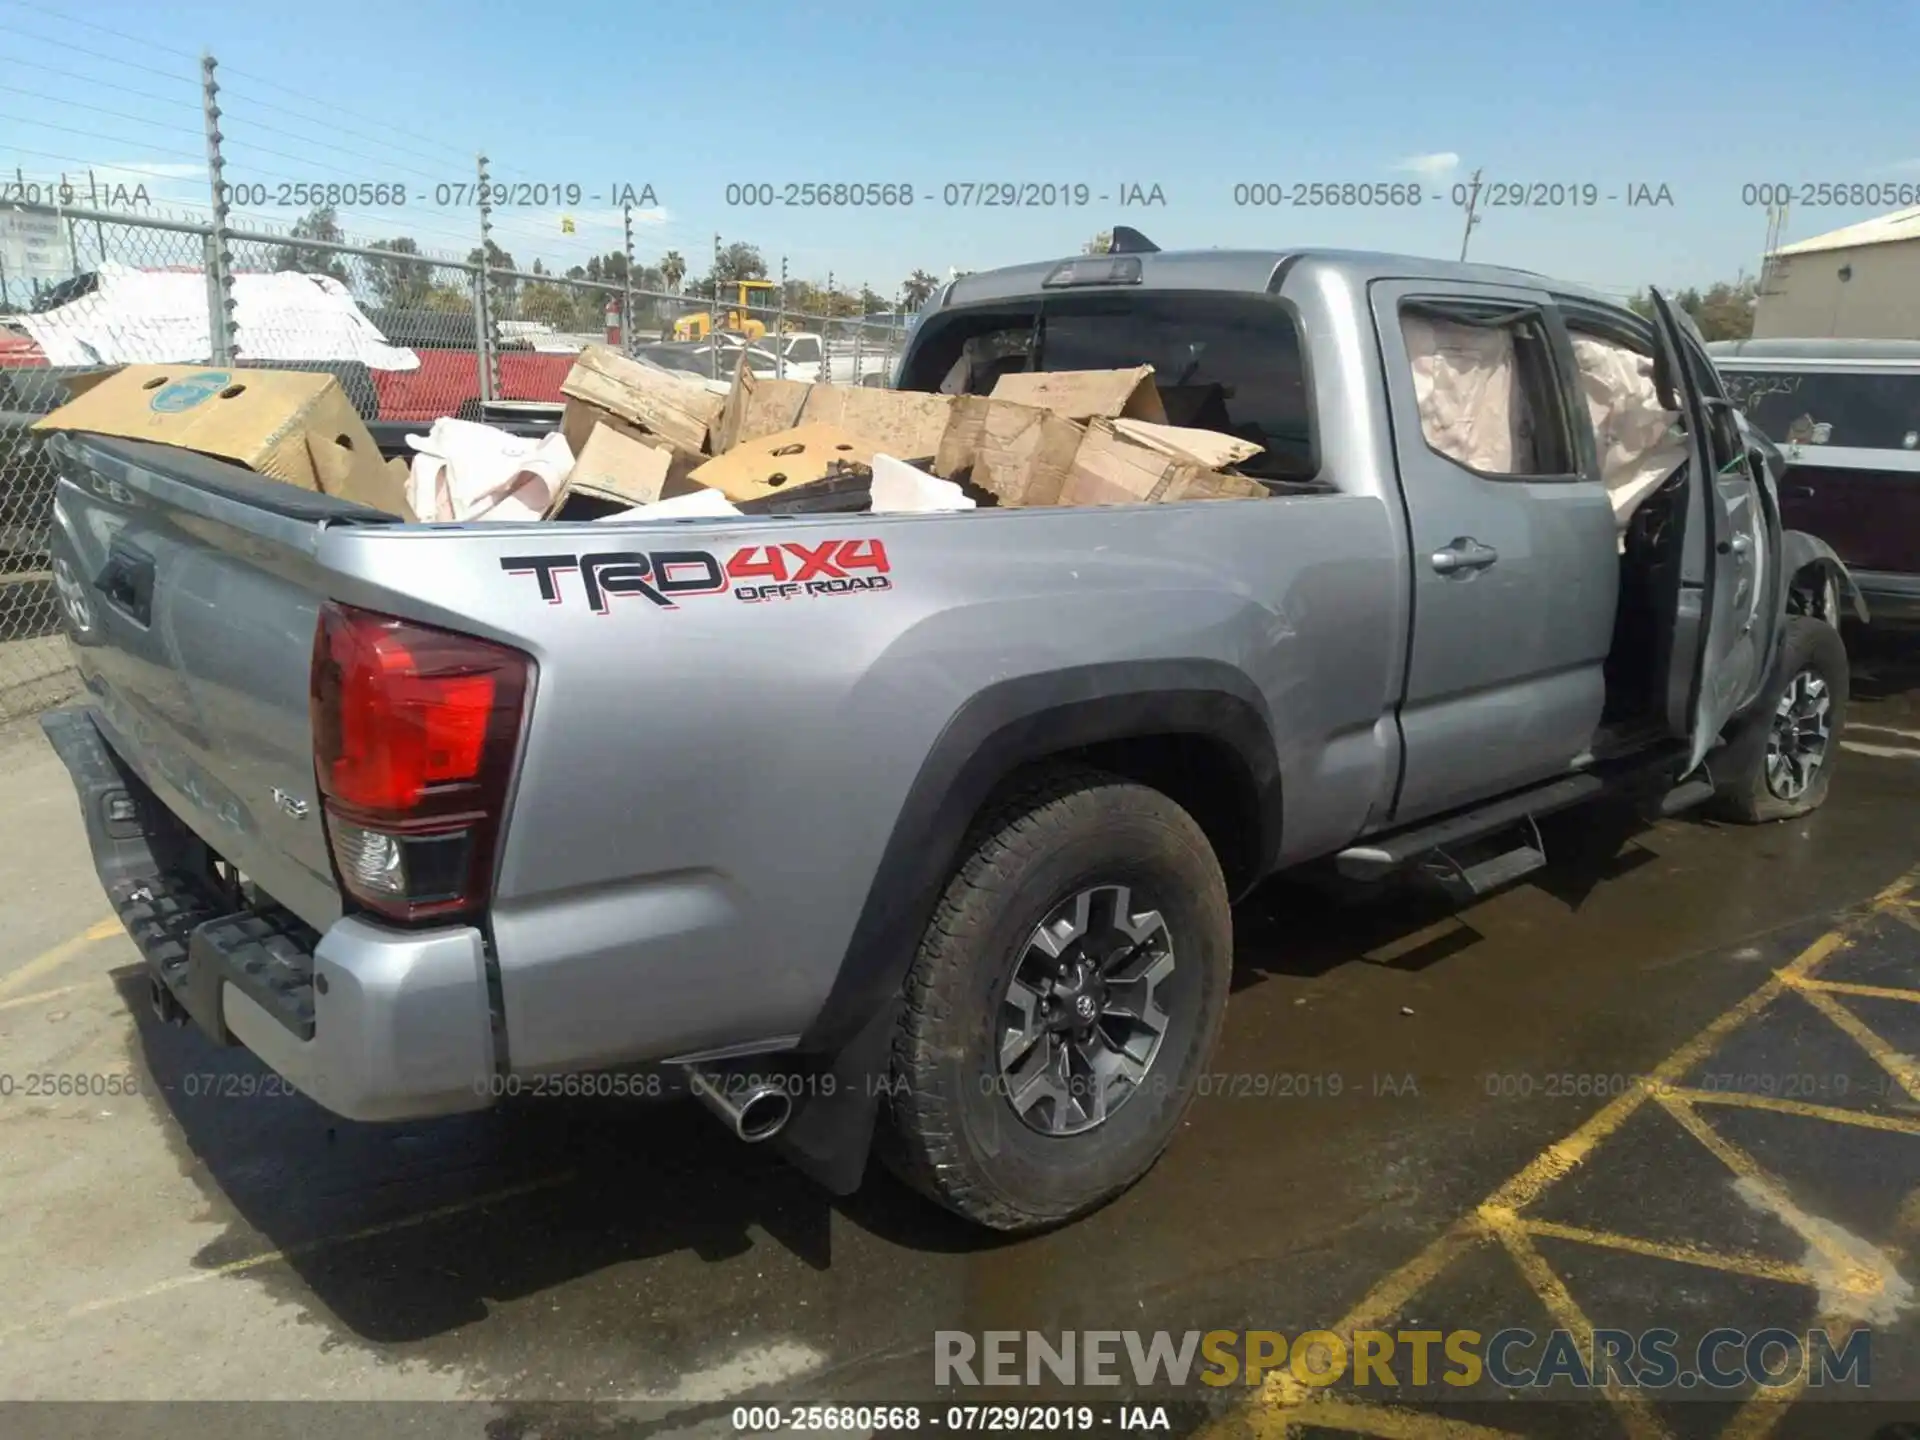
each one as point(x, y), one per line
point(1740, 769)
point(950, 1132)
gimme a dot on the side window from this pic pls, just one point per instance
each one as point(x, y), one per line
point(1488, 392)
point(804, 351)
point(1814, 407)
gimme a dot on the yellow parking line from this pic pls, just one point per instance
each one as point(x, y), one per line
point(1388, 1423)
point(1902, 1068)
point(59, 955)
point(1759, 1267)
point(1866, 1119)
point(1281, 1395)
point(294, 1252)
point(1847, 987)
point(40, 995)
point(1854, 1277)
point(1636, 1412)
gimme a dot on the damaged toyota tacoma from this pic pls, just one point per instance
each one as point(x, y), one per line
point(918, 835)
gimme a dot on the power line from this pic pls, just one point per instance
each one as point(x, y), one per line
point(40, 69)
point(102, 29)
point(90, 135)
point(81, 105)
point(96, 54)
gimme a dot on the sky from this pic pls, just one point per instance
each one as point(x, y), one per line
point(1689, 104)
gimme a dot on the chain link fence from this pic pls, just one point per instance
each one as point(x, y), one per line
point(423, 337)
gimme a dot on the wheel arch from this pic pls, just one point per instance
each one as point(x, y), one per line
point(1809, 562)
point(1197, 730)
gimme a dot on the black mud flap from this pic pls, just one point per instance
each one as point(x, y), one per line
point(830, 1136)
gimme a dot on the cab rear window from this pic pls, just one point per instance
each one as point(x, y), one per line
point(1227, 362)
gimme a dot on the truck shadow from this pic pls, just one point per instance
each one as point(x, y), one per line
point(407, 1231)
point(1311, 923)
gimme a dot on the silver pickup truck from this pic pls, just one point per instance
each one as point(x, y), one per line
point(919, 833)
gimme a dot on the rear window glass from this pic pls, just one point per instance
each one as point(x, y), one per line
point(1826, 407)
point(1232, 363)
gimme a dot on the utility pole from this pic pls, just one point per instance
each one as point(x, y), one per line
point(713, 313)
point(626, 314)
point(220, 310)
point(1473, 217)
point(484, 316)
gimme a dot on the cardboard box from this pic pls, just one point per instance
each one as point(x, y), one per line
point(1017, 453)
point(1204, 447)
point(615, 466)
point(1086, 394)
point(679, 411)
point(781, 462)
point(1109, 469)
point(905, 424)
point(288, 424)
point(756, 407)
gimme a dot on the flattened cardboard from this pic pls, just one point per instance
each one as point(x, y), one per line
point(262, 419)
point(679, 411)
point(1203, 447)
point(776, 463)
point(1086, 394)
point(383, 485)
point(756, 407)
point(1019, 454)
point(903, 423)
point(615, 466)
point(1111, 470)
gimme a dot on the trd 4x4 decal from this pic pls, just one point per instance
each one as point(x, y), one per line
point(772, 572)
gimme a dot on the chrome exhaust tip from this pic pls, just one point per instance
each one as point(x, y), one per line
point(754, 1110)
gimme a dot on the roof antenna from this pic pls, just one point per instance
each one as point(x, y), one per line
point(1129, 241)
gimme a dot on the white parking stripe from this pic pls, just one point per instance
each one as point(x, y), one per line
point(1884, 730)
point(1893, 752)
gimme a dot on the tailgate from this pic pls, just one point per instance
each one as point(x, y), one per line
point(191, 594)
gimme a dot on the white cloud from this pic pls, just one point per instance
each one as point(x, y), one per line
point(1441, 162)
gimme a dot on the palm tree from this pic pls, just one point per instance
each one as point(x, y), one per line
point(916, 288)
point(673, 269)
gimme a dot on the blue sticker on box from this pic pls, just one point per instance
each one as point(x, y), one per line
point(185, 394)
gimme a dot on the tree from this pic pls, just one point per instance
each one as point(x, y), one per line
point(673, 269)
point(739, 261)
point(320, 224)
point(400, 283)
point(1099, 244)
point(1724, 312)
point(915, 289)
point(504, 286)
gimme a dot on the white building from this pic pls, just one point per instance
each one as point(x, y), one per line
point(1860, 282)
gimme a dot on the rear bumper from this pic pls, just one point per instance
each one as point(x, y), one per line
point(373, 1023)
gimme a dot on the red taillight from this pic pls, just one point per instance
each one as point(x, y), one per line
point(413, 730)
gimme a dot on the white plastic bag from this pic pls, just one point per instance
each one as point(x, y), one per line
point(902, 489)
point(468, 471)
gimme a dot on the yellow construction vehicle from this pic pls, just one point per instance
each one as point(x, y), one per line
point(755, 293)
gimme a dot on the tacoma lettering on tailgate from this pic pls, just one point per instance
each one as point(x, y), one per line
point(754, 573)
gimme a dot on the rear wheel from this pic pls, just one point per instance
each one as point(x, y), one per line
point(1062, 1003)
point(1778, 759)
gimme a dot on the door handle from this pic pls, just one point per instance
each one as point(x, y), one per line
point(1799, 492)
point(1464, 554)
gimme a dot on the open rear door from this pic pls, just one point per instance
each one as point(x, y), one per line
point(1722, 629)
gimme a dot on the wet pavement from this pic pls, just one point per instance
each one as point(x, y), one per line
point(1387, 1072)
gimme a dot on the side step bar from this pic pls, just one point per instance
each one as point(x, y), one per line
point(1387, 853)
